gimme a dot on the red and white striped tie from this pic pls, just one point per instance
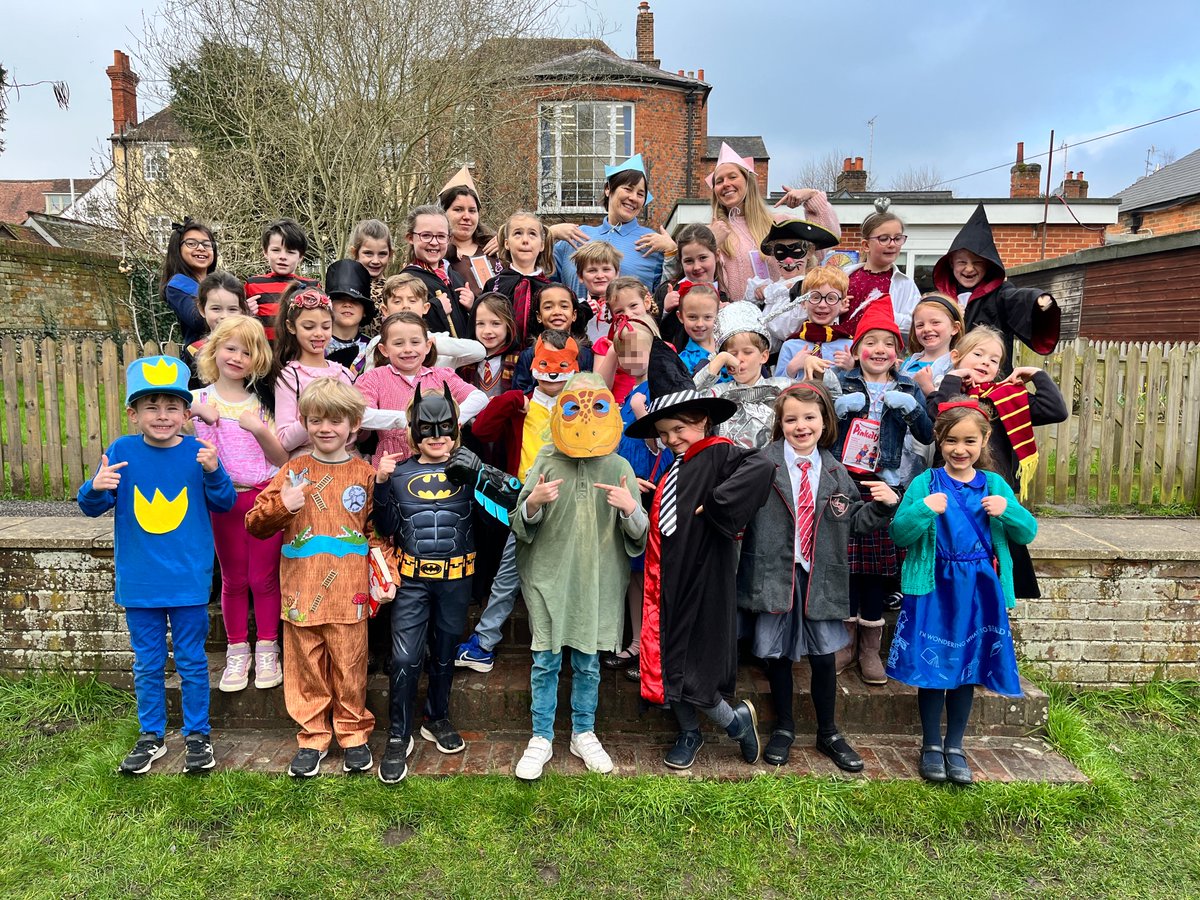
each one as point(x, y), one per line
point(804, 512)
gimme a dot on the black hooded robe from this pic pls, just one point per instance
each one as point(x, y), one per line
point(689, 622)
point(1011, 310)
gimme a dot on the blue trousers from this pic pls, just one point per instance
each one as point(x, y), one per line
point(148, 638)
point(502, 599)
point(416, 640)
point(585, 690)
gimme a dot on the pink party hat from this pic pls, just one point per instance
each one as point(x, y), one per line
point(461, 178)
point(729, 155)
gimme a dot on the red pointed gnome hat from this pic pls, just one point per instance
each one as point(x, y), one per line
point(878, 316)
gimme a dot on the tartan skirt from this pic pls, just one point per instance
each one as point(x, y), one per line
point(874, 553)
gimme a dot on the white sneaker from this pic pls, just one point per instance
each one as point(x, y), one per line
point(537, 754)
point(237, 668)
point(587, 747)
point(267, 671)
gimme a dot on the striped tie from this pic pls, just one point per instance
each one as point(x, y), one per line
point(804, 512)
point(666, 509)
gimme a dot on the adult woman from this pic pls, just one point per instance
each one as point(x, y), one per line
point(450, 300)
point(191, 255)
point(643, 249)
point(469, 237)
point(741, 219)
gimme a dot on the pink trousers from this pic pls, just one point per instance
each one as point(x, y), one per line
point(248, 566)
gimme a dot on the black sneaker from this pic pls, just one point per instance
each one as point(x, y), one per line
point(394, 765)
point(306, 763)
point(443, 735)
point(148, 748)
point(358, 759)
point(199, 757)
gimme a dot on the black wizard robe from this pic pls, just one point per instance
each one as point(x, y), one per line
point(689, 615)
point(1011, 310)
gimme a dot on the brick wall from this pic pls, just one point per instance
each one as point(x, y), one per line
point(1185, 217)
point(49, 289)
point(1017, 244)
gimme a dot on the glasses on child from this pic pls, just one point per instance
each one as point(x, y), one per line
point(782, 251)
point(823, 299)
point(432, 237)
point(310, 299)
point(896, 240)
point(193, 244)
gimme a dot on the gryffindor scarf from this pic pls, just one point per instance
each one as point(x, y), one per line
point(1012, 408)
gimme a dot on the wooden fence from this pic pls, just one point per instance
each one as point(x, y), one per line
point(1132, 440)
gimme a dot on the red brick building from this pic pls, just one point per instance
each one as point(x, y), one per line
point(1164, 202)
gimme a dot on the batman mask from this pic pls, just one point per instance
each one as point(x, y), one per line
point(433, 415)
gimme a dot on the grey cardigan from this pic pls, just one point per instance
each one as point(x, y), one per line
point(766, 570)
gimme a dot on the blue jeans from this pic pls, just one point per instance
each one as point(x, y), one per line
point(148, 638)
point(502, 598)
point(585, 691)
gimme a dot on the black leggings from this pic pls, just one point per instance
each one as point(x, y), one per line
point(824, 692)
point(867, 593)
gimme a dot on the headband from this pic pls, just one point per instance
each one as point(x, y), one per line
point(952, 308)
point(969, 403)
point(310, 298)
point(622, 323)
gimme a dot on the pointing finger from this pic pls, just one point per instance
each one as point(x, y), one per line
point(122, 464)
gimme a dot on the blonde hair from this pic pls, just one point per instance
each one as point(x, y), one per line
point(980, 334)
point(630, 283)
point(249, 332)
point(545, 258)
point(827, 276)
point(331, 399)
point(872, 223)
point(405, 280)
point(950, 307)
point(597, 253)
point(368, 229)
point(758, 217)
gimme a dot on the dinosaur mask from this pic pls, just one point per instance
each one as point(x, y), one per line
point(586, 420)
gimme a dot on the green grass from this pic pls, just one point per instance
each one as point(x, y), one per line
point(76, 829)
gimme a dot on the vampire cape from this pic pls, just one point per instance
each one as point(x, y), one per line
point(995, 301)
point(689, 621)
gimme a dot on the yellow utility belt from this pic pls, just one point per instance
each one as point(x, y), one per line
point(437, 569)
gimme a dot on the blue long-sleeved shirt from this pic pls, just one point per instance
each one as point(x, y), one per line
point(180, 294)
point(646, 269)
point(163, 538)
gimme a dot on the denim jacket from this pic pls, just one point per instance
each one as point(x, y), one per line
point(893, 425)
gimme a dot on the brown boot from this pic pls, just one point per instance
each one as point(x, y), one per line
point(843, 658)
point(870, 666)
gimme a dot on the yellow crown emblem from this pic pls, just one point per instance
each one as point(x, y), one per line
point(160, 515)
point(161, 373)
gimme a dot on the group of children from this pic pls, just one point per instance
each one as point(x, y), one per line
point(744, 479)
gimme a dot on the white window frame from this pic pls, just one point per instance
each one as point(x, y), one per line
point(159, 230)
point(550, 188)
point(154, 161)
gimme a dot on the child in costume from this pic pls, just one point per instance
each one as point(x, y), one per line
point(371, 244)
point(163, 486)
point(495, 332)
point(348, 285)
point(597, 264)
point(878, 275)
point(821, 301)
point(573, 552)
point(219, 296)
point(233, 412)
point(521, 424)
point(958, 524)
point(937, 326)
point(699, 305)
point(528, 257)
point(699, 263)
point(407, 293)
point(877, 408)
point(450, 298)
point(1013, 411)
point(191, 257)
point(556, 311)
point(793, 572)
point(689, 621)
point(972, 271)
point(744, 343)
point(284, 247)
point(321, 501)
point(793, 244)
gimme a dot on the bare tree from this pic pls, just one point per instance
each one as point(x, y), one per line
point(820, 172)
point(331, 111)
point(916, 178)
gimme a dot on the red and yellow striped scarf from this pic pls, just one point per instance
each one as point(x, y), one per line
point(1012, 408)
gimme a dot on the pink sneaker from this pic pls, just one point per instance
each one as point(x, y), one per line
point(267, 671)
point(237, 668)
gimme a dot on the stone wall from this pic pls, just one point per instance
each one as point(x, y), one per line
point(1120, 605)
point(54, 290)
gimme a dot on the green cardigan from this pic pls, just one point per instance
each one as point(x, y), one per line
point(915, 528)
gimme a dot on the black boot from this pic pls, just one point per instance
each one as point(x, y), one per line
point(744, 730)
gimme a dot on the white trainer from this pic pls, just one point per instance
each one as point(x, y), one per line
point(267, 671)
point(534, 759)
point(588, 748)
point(237, 668)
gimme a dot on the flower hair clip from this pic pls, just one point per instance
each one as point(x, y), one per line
point(310, 298)
point(969, 403)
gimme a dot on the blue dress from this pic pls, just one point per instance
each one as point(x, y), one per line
point(958, 634)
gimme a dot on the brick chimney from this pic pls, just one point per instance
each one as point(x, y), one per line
point(853, 177)
point(645, 36)
point(1074, 187)
point(1025, 179)
point(124, 93)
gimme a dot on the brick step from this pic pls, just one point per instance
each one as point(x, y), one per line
point(499, 701)
point(887, 757)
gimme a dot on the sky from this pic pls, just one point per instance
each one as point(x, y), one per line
point(950, 85)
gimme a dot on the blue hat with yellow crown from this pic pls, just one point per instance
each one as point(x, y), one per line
point(157, 375)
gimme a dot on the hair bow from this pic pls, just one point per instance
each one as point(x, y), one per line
point(969, 403)
point(310, 298)
point(180, 228)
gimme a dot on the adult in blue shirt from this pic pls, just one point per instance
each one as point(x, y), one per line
point(191, 255)
point(643, 249)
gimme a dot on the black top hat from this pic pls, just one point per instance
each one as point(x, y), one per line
point(675, 392)
point(349, 279)
point(799, 230)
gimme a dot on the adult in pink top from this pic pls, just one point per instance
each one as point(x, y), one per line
point(741, 219)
